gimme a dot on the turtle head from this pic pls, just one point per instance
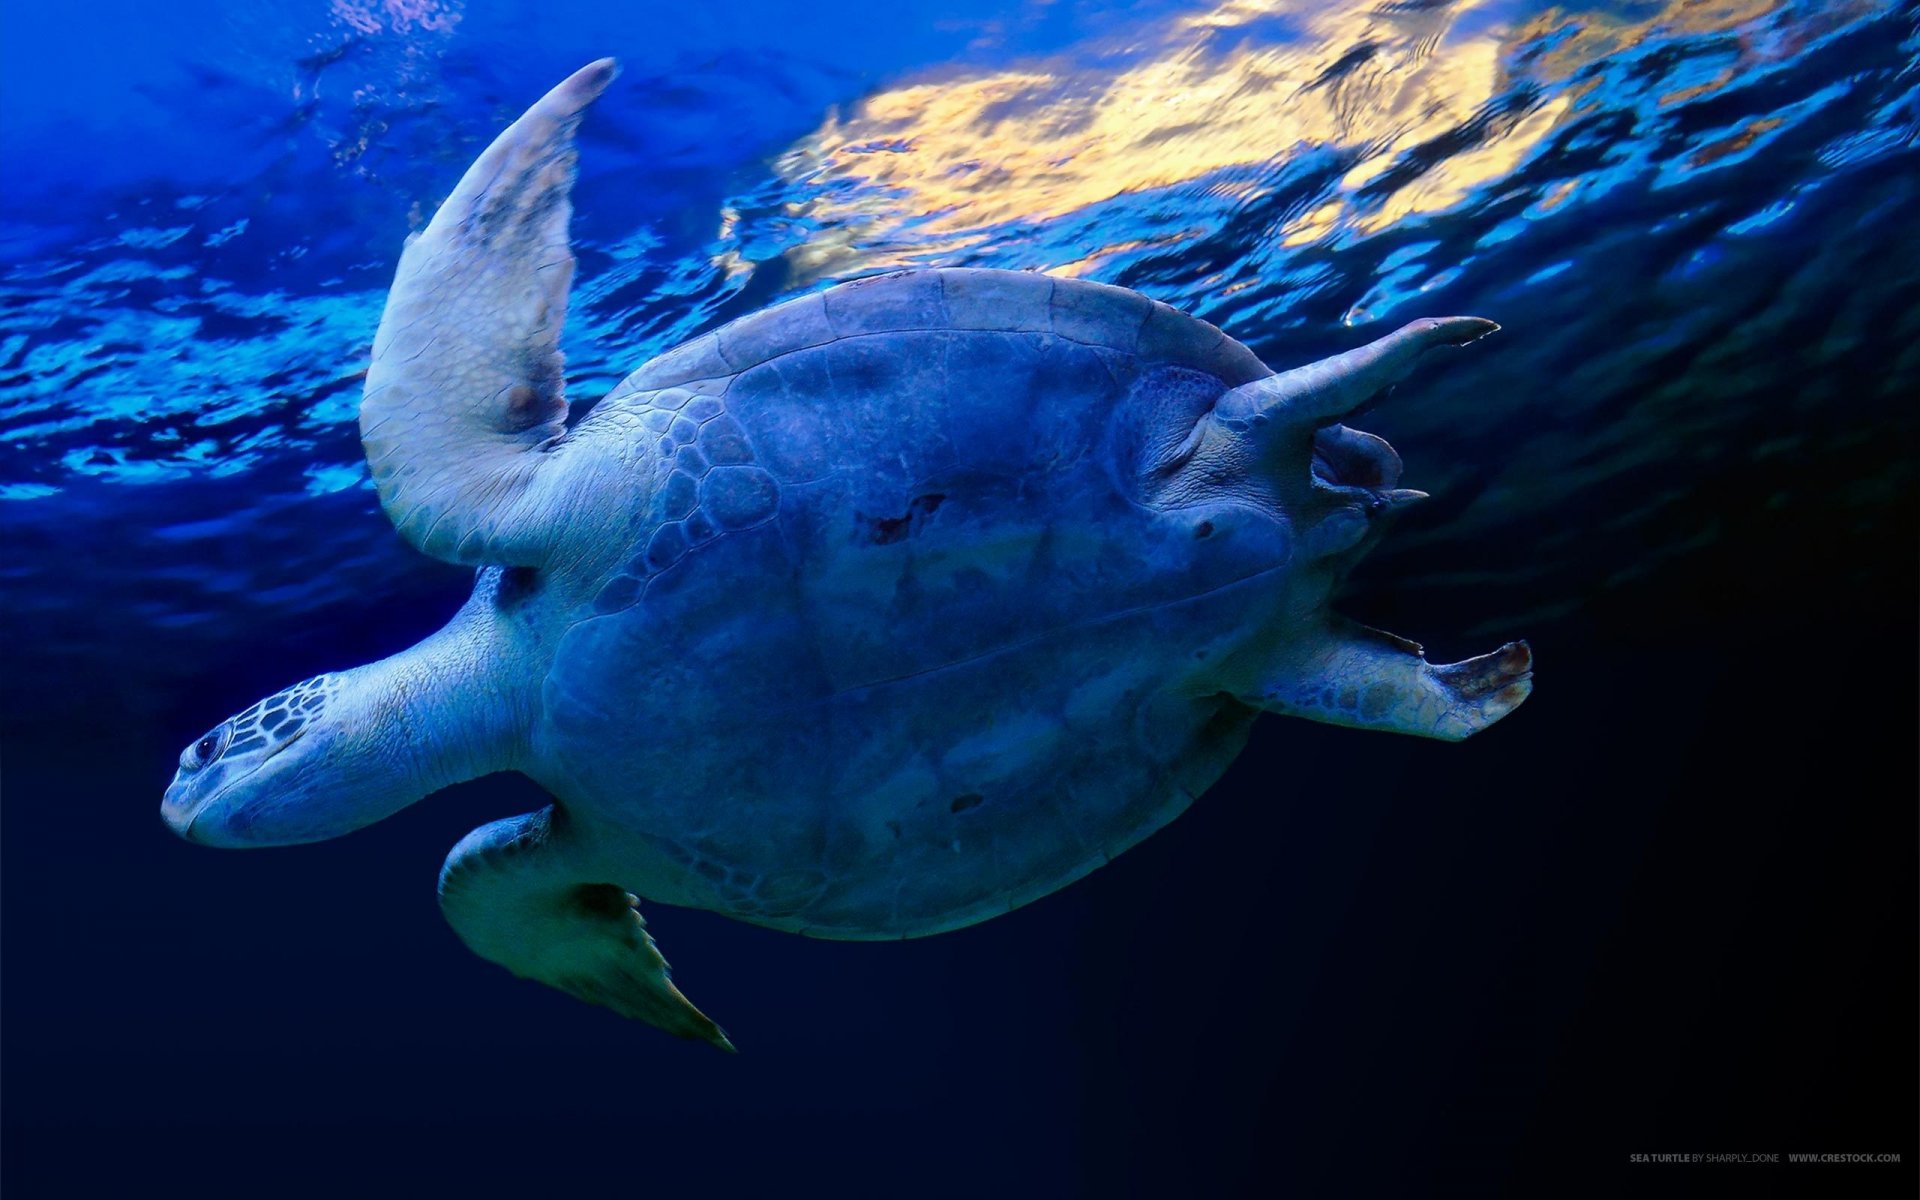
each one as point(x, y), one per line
point(236, 782)
point(342, 750)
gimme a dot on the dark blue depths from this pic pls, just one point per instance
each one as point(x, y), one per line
point(1665, 907)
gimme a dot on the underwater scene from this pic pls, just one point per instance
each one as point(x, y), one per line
point(1654, 932)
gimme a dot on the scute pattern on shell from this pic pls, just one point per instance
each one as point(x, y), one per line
point(707, 483)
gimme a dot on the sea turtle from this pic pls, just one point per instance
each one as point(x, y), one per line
point(874, 614)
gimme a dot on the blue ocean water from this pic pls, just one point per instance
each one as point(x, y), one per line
point(1685, 469)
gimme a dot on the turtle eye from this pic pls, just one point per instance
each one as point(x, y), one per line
point(205, 750)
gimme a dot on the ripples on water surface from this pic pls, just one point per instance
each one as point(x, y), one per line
point(1695, 221)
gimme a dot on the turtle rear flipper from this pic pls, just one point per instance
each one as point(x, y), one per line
point(1372, 680)
point(517, 894)
point(465, 402)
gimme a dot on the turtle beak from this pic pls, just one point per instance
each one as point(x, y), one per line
point(202, 819)
point(191, 820)
point(176, 811)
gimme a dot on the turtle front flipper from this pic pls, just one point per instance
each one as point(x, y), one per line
point(519, 894)
point(464, 402)
point(1372, 680)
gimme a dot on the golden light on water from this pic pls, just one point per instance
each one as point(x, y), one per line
point(1199, 95)
point(928, 167)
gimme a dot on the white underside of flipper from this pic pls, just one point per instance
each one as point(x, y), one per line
point(519, 893)
point(465, 407)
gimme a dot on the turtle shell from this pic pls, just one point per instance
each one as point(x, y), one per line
point(889, 599)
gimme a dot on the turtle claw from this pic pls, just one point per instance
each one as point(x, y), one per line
point(1486, 688)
